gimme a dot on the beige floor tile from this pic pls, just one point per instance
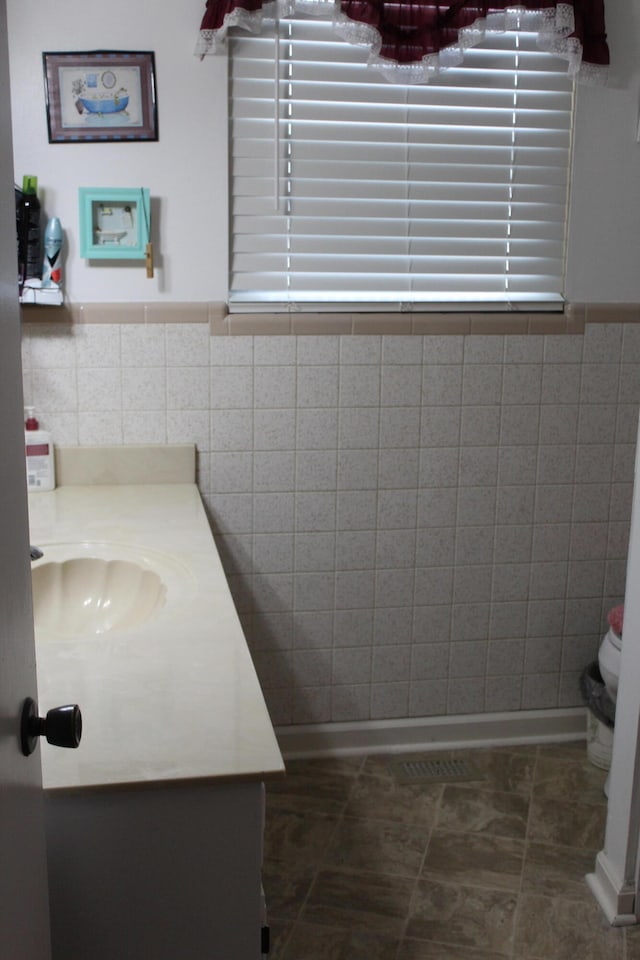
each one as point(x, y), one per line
point(314, 942)
point(376, 846)
point(632, 938)
point(578, 781)
point(423, 950)
point(462, 916)
point(475, 859)
point(319, 785)
point(279, 933)
point(510, 770)
point(377, 795)
point(286, 886)
point(556, 871)
point(570, 824)
point(362, 901)
point(558, 929)
point(297, 838)
point(467, 809)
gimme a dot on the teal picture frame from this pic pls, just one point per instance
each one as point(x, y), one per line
point(115, 223)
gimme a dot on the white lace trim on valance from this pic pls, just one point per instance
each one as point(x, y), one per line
point(554, 27)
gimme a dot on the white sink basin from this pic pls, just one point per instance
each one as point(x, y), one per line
point(90, 589)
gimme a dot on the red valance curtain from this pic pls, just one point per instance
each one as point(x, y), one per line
point(423, 36)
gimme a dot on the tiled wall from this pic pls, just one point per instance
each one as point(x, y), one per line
point(411, 526)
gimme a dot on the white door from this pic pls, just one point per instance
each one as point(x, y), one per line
point(24, 909)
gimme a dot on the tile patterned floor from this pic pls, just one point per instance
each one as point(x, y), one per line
point(361, 867)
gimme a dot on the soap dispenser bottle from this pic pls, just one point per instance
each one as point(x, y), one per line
point(38, 448)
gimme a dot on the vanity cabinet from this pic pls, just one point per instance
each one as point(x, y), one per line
point(154, 824)
point(164, 872)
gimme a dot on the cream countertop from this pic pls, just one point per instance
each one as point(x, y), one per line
point(175, 698)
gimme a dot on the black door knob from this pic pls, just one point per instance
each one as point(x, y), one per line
point(62, 726)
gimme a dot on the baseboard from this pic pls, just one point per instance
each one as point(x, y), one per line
point(616, 899)
point(432, 733)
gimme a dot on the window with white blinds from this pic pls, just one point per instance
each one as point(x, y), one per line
point(350, 192)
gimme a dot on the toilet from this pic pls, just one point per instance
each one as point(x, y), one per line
point(610, 649)
point(609, 664)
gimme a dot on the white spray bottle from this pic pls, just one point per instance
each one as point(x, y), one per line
point(52, 265)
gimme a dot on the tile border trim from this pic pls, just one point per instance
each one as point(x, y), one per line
point(221, 323)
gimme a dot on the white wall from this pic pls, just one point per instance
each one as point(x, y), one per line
point(186, 169)
point(604, 240)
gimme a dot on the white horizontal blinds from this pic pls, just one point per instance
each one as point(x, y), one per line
point(451, 192)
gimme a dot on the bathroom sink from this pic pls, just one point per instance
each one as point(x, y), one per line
point(90, 589)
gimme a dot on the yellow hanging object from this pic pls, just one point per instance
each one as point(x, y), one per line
point(148, 257)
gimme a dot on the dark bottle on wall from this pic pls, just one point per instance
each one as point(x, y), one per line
point(28, 216)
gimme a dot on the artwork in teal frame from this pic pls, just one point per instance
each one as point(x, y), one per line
point(115, 223)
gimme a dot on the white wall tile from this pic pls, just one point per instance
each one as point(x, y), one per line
point(187, 388)
point(440, 426)
point(441, 384)
point(483, 349)
point(233, 351)
point(391, 663)
point(273, 470)
point(100, 428)
point(55, 389)
point(316, 470)
point(431, 624)
point(99, 389)
point(317, 386)
point(317, 429)
point(318, 349)
point(144, 388)
point(314, 552)
point(274, 386)
point(357, 509)
point(312, 630)
point(482, 383)
point(150, 427)
point(98, 345)
point(273, 512)
point(397, 509)
point(272, 351)
point(400, 427)
point(443, 349)
point(359, 385)
point(189, 426)
point(401, 385)
point(441, 550)
point(360, 349)
point(389, 700)
point(231, 430)
point(315, 512)
point(143, 344)
point(231, 387)
point(469, 621)
point(392, 626)
point(480, 426)
point(353, 628)
point(274, 429)
point(314, 591)
point(272, 553)
point(231, 472)
point(187, 344)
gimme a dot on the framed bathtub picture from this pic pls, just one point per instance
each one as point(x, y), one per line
point(100, 96)
point(115, 223)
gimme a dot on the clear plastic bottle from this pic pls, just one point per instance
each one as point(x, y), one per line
point(38, 448)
